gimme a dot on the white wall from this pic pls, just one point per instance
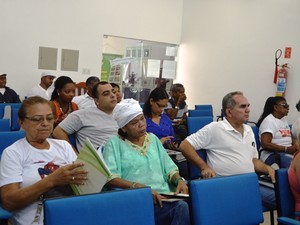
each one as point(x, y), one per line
point(80, 25)
point(229, 45)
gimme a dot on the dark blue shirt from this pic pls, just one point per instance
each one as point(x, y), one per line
point(9, 96)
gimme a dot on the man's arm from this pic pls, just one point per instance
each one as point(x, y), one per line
point(190, 153)
point(263, 168)
point(59, 133)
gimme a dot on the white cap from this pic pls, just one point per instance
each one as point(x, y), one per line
point(126, 110)
point(46, 73)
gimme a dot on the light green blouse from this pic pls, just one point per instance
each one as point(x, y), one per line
point(149, 165)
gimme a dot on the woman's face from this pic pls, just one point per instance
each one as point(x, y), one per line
point(67, 93)
point(118, 94)
point(158, 107)
point(136, 127)
point(282, 108)
point(38, 123)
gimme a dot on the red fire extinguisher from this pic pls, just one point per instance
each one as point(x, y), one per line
point(282, 80)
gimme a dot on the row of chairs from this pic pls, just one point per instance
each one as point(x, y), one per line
point(9, 111)
point(213, 201)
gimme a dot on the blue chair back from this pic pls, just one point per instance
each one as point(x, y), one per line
point(256, 135)
point(134, 207)
point(196, 112)
point(284, 197)
point(4, 125)
point(2, 107)
point(193, 171)
point(14, 117)
point(232, 200)
point(9, 137)
point(196, 123)
point(204, 107)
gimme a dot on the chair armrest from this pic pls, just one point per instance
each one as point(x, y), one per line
point(287, 221)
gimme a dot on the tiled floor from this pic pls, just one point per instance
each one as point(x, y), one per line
point(267, 218)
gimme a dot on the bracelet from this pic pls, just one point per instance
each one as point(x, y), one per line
point(285, 148)
point(133, 185)
point(177, 179)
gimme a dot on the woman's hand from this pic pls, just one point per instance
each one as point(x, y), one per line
point(69, 174)
point(166, 139)
point(181, 187)
point(157, 198)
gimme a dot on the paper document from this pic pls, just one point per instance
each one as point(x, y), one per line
point(171, 197)
point(98, 171)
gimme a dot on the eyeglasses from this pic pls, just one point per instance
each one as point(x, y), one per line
point(40, 119)
point(284, 105)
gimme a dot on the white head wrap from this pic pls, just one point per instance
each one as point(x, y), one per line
point(126, 110)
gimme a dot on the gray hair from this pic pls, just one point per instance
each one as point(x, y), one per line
point(228, 101)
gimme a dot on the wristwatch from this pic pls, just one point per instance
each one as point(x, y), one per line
point(176, 107)
point(177, 179)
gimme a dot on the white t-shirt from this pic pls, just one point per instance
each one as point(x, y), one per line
point(90, 123)
point(39, 91)
point(280, 130)
point(228, 151)
point(24, 164)
point(84, 101)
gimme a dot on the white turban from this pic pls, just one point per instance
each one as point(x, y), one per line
point(126, 110)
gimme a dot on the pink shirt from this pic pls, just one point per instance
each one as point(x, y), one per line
point(294, 185)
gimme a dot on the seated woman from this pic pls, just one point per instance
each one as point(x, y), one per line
point(118, 91)
point(159, 123)
point(137, 159)
point(275, 134)
point(36, 166)
point(62, 95)
point(294, 169)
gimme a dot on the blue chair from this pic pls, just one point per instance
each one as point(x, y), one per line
point(193, 171)
point(196, 112)
point(285, 199)
point(196, 123)
point(256, 135)
point(204, 107)
point(231, 200)
point(72, 138)
point(8, 138)
point(134, 207)
point(4, 125)
point(14, 118)
point(2, 107)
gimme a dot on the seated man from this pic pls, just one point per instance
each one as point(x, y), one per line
point(230, 145)
point(86, 100)
point(176, 110)
point(95, 123)
point(45, 88)
point(7, 95)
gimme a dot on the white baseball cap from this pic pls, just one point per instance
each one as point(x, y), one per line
point(46, 73)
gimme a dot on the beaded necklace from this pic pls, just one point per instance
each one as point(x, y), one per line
point(142, 150)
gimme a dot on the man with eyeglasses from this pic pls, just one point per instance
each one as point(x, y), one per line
point(7, 95)
point(95, 123)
